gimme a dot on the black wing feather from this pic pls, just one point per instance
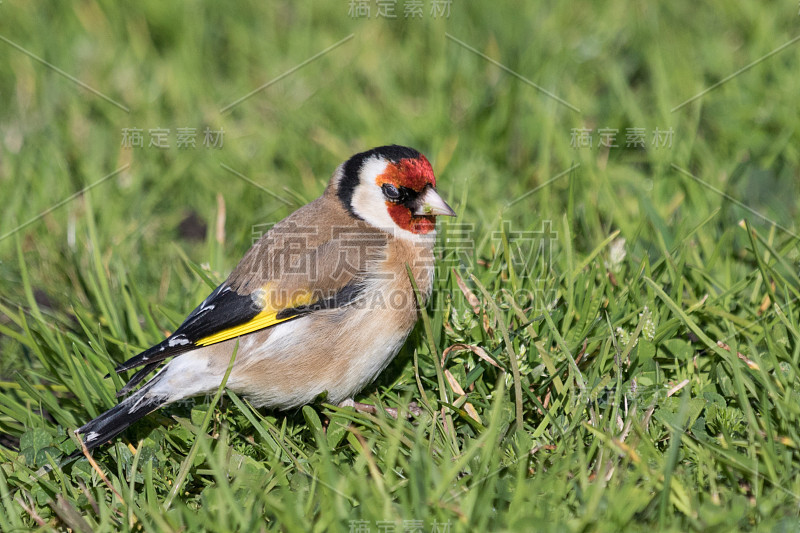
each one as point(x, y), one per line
point(224, 308)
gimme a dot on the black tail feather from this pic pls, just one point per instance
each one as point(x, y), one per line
point(117, 419)
point(136, 378)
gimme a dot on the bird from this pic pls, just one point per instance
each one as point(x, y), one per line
point(316, 308)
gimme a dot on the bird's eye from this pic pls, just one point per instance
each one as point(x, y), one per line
point(391, 192)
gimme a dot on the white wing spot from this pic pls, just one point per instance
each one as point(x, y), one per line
point(178, 341)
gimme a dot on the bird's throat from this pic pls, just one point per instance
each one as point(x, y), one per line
point(401, 215)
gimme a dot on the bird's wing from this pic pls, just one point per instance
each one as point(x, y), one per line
point(268, 288)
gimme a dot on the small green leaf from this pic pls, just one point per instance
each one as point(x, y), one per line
point(312, 419)
point(337, 429)
point(36, 439)
point(645, 350)
point(678, 348)
point(198, 414)
point(41, 455)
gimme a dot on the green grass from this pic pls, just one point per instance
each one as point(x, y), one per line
point(602, 398)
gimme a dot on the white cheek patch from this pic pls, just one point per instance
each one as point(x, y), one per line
point(368, 201)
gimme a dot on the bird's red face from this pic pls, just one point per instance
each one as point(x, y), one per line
point(413, 173)
point(405, 184)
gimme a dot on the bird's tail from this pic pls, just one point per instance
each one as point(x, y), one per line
point(111, 423)
point(114, 421)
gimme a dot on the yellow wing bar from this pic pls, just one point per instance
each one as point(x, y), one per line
point(262, 320)
point(266, 318)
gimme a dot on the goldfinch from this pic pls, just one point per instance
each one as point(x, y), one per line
point(319, 305)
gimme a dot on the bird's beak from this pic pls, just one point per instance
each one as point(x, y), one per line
point(430, 203)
